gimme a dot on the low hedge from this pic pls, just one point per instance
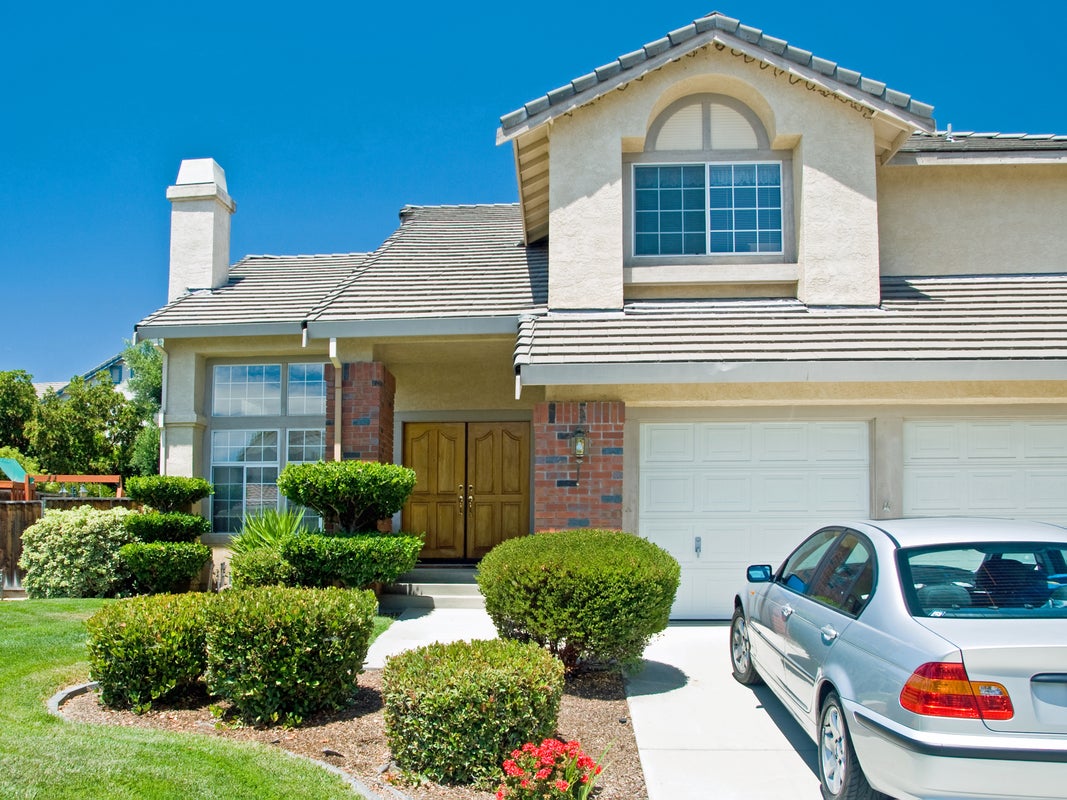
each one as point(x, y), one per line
point(354, 561)
point(163, 567)
point(143, 648)
point(280, 654)
point(168, 492)
point(261, 566)
point(453, 712)
point(592, 597)
point(172, 526)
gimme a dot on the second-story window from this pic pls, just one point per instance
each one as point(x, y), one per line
point(708, 188)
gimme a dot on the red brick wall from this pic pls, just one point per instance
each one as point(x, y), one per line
point(563, 496)
point(367, 392)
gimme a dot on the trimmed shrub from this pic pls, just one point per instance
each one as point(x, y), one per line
point(349, 495)
point(592, 597)
point(143, 648)
point(163, 567)
point(262, 566)
point(75, 553)
point(156, 526)
point(453, 712)
point(267, 529)
point(279, 655)
point(168, 492)
point(355, 561)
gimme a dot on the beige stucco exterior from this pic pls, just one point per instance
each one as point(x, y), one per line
point(832, 144)
point(972, 218)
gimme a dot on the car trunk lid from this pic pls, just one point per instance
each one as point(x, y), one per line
point(1026, 656)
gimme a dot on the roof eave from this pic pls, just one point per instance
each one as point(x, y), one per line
point(816, 79)
point(148, 330)
point(576, 374)
point(413, 326)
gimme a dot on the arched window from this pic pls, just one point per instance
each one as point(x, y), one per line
point(708, 186)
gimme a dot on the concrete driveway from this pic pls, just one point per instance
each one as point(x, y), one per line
point(702, 735)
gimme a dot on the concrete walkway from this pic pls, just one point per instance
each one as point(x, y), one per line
point(700, 734)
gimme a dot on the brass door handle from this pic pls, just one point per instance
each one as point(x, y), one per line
point(459, 498)
point(470, 498)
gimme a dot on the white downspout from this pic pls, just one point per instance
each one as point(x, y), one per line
point(337, 379)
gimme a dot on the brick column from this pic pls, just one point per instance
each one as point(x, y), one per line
point(367, 392)
point(563, 496)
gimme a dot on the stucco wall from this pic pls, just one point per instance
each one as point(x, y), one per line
point(833, 168)
point(972, 219)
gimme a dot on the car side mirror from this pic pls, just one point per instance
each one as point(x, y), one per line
point(759, 573)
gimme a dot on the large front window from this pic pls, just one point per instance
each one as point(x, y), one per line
point(264, 416)
point(707, 209)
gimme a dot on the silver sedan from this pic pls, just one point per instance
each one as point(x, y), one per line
point(927, 658)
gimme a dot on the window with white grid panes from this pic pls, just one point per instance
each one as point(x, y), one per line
point(246, 390)
point(306, 389)
point(304, 446)
point(707, 209)
point(244, 471)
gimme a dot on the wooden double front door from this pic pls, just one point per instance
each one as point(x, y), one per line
point(472, 488)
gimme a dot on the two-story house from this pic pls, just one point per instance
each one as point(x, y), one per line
point(745, 290)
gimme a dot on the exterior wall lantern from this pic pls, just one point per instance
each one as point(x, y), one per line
point(579, 446)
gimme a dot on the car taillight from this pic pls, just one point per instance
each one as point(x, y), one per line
point(941, 689)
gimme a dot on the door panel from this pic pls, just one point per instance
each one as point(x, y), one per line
point(435, 451)
point(498, 470)
point(472, 485)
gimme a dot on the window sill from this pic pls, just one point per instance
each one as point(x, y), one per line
point(711, 273)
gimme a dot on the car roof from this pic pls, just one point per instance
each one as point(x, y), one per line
point(925, 531)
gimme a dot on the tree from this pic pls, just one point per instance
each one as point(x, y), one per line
point(145, 362)
point(90, 430)
point(18, 401)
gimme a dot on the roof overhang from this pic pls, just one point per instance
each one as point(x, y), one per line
point(423, 326)
point(793, 372)
point(206, 330)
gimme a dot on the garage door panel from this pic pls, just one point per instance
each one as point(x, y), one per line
point(841, 492)
point(667, 444)
point(839, 443)
point(724, 443)
point(724, 493)
point(780, 442)
point(668, 492)
point(1003, 467)
point(757, 488)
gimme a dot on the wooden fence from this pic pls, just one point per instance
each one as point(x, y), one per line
point(17, 515)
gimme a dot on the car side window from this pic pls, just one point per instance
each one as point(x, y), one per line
point(799, 569)
point(846, 577)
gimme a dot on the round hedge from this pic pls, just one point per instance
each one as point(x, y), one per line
point(453, 712)
point(592, 597)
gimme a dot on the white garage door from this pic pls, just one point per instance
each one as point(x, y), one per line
point(997, 468)
point(744, 493)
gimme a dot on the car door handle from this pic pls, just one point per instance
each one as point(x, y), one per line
point(787, 611)
point(828, 632)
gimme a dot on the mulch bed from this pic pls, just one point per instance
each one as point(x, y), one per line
point(593, 711)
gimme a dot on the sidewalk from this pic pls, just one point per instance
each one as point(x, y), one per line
point(700, 734)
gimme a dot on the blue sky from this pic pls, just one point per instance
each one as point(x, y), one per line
point(328, 117)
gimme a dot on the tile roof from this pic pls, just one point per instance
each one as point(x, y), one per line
point(274, 291)
point(920, 319)
point(445, 261)
point(970, 142)
point(458, 262)
point(699, 32)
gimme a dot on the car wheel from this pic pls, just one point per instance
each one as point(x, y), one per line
point(740, 654)
point(839, 771)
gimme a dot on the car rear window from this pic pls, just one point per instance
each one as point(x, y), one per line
point(1006, 580)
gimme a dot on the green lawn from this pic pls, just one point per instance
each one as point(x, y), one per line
point(42, 648)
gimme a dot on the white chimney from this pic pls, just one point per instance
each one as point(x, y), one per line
point(199, 227)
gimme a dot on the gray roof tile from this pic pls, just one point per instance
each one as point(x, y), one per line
point(967, 142)
point(705, 28)
point(1008, 317)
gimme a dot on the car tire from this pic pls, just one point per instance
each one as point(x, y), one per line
point(740, 653)
point(840, 774)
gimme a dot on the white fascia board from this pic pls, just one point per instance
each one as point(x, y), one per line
point(425, 326)
point(225, 329)
point(792, 372)
point(995, 157)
